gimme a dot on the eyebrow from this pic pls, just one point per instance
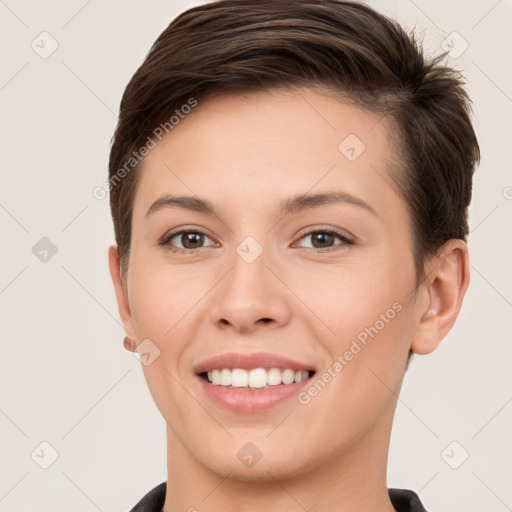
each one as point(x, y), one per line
point(291, 205)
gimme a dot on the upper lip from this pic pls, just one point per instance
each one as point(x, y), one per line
point(249, 362)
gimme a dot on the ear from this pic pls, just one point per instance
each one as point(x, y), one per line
point(121, 293)
point(441, 296)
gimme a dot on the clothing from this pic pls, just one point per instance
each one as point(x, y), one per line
point(402, 500)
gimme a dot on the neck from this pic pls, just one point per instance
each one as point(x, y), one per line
point(353, 480)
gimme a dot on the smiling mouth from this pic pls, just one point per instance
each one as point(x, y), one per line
point(256, 378)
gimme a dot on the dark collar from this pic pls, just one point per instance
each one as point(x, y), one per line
point(402, 500)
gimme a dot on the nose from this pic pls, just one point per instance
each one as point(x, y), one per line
point(250, 297)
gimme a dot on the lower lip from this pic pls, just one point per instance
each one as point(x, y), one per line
point(251, 400)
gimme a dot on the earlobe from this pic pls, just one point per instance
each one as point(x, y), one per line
point(443, 292)
point(121, 293)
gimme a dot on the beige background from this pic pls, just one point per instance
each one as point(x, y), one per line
point(66, 379)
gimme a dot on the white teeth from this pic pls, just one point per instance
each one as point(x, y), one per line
point(239, 378)
point(225, 377)
point(274, 377)
point(288, 376)
point(301, 375)
point(256, 378)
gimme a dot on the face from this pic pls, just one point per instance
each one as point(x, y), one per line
point(250, 269)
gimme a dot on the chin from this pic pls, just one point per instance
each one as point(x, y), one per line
point(267, 468)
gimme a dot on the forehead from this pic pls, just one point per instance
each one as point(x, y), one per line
point(252, 149)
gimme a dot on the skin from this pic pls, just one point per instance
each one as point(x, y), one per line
point(245, 154)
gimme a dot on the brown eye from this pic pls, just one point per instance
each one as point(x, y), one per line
point(326, 239)
point(322, 239)
point(192, 240)
point(187, 240)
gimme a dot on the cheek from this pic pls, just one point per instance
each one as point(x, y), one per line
point(160, 297)
point(368, 362)
point(364, 324)
point(345, 300)
point(162, 306)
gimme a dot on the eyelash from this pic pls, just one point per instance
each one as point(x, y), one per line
point(343, 237)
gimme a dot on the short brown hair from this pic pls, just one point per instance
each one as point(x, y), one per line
point(258, 45)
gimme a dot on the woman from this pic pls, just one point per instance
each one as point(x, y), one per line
point(289, 185)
